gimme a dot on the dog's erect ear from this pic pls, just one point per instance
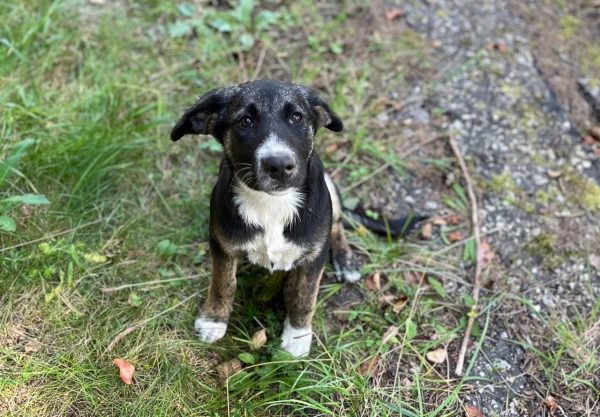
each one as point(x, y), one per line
point(199, 119)
point(326, 117)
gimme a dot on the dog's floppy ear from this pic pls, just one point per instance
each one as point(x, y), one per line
point(199, 119)
point(326, 117)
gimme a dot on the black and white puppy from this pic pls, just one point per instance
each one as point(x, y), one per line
point(273, 203)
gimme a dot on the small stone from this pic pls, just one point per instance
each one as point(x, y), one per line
point(430, 205)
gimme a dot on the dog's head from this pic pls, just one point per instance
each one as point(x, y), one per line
point(267, 129)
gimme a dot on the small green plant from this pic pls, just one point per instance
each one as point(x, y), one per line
point(8, 167)
point(241, 23)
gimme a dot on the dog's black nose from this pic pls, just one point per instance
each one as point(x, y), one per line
point(279, 167)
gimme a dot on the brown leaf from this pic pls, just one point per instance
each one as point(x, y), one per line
point(595, 261)
point(486, 254)
point(439, 221)
point(595, 132)
point(374, 282)
point(331, 148)
point(370, 367)
point(499, 46)
point(437, 356)
point(550, 403)
point(397, 302)
point(588, 140)
point(126, 370)
point(392, 331)
point(455, 236)
point(394, 14)
point(33, 346)
point(259, 339)
point(427, 231)
point(472, 411)
point(226, 369)
point(453, 219)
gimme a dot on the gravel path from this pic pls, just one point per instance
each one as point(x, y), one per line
point(537, 184)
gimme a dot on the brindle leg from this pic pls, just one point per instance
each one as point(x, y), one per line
point(211, 324)
point(344, 263)
point(300, 293)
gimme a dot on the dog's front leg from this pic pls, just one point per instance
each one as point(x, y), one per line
point(211, 324)
point(300, 293)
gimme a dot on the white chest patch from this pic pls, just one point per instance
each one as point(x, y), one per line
point(272, 213)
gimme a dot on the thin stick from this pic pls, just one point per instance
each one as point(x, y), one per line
point(141, 323)
point(259, 63)
point(477, 234)
point(146, 283)
point(51, 235)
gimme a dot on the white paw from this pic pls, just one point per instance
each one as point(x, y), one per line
point(210, 330)
point(351, 276)
point(296, 341)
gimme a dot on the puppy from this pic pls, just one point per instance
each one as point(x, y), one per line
point(272, 203)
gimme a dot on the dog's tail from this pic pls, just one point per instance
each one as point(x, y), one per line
point(352, 218)
point(386, 227)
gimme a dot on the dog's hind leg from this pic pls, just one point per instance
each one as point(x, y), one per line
point(344, 263)
point(211, 324)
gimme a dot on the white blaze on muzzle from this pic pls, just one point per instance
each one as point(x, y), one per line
point(273, 146)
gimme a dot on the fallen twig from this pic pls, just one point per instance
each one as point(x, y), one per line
point(477, 234)
point(259, 63)
point(51, 235)
point(146, 283)
point(141, 323)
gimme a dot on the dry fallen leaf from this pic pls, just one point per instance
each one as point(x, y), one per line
point(499, 46)
point(588, 140)
point(259, 339)
point(394, 14)
point(126, 370)
point(374, 282)
point(33, 346)
point(486, 254)
point(397, 302)
point(437, 356)
point(331, 148)
point(438, 221)
point(370, 367)
point(392, 331)
point(427, 231)
point(472, 411)
point(595, 261)
point(453, 219)
point(550, 403)
point(226, 369)
point(455, 236)
point(595, 132)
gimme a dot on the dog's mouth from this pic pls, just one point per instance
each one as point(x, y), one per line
point(264, 183)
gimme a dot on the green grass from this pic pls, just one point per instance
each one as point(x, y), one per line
point(97, 88)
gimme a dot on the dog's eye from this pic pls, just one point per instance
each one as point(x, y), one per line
point(246, 121)
point(296, 117)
